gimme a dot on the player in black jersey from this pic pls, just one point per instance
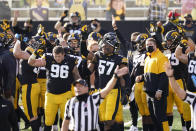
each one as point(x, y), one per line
point(104, 63)
point(73, 26)
point(30, 86)
point(74, 44)
point(172, 39)
point(188, 59)
point(138, 59)
point(60, 69)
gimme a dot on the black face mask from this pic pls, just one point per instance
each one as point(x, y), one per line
point(187, 22)
point(150, 49)
point(83, 97)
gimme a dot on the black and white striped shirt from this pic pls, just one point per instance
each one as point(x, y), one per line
point(83, 115)
point(191, 99)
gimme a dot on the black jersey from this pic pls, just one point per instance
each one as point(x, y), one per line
point(179, 67)
point(191, 81)
point(70, 28)
point(81, 63)
point(59, 75)
point(28, 76)
point(105, 66)
point(138, 63)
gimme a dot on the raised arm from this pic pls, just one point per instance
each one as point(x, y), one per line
point(14, 22)
point(169, 71)
point(110, 85)
point(18, 53)
point(75, 73)
point(36, 62)
point(181, 56)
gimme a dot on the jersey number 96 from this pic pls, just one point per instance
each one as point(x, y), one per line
point(61, 71)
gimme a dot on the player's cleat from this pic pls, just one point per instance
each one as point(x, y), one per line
point(54, 128)
point(133, 128)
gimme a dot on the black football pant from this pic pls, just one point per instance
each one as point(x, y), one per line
point(157, 110)
point(134, 112)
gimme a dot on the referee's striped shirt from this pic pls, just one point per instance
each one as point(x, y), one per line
point(83, 115)
point(191, 99)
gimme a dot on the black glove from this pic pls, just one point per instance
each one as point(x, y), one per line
point(84, 33)
point(65, 14)
point(124, 98)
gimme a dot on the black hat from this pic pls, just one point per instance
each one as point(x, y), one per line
point(80, 81)
point(188, 16)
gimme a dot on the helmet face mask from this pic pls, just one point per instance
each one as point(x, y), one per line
point(107, 48)
point(140, 40)
point(37, 42)
point(75, 18)
point(74, 42)
point(52, 38)
point(172, 39)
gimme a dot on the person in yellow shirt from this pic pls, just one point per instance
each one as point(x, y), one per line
point(155, 84)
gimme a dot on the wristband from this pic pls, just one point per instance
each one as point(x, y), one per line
point(171, 76)
point(116, 76)
point(33, 56)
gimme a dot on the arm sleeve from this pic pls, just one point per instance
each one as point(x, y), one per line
point(47, 58)
point(124, 44)
point(12, 118)
point(84, 50)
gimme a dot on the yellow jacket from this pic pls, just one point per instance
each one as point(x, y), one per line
point(155, 77)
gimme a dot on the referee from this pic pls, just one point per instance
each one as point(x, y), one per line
point(188, 97)
point(81, 112)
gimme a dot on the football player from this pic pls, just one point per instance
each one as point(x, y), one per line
point(61, 69)
point(74, 45)
point(138, 69)
point(188, 59)
point(73, 26)
point(104, 63)
point(172, 39)
point(30, 86)
point(171, 24)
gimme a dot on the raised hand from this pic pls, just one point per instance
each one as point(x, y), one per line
point(122, 71)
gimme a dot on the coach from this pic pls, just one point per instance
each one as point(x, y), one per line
point(155, 84)
point(81, 112)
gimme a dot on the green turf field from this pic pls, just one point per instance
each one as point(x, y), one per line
point(127, 119)
point(176, 124)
